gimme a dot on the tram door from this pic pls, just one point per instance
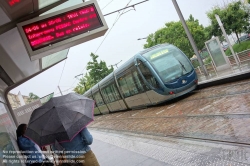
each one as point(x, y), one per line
point(151, 82)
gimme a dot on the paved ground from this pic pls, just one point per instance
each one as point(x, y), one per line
point(216, 113)
point(205, 127)
point(126, 149)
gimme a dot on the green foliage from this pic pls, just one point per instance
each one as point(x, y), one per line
point(208, 32)
point(234, 16)
point(208, 60)
point(97, 71)
point(174, 33)
point(239, 47)
point(85, 84)
point(32, 97)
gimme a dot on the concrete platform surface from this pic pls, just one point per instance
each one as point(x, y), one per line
point(126, 149)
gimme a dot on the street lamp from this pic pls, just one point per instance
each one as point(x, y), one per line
point(142, 38)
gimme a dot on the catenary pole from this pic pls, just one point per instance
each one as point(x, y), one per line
point(60, 90)
point(190, 37)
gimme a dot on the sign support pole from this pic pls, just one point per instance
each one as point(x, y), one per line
point(190, 37)
point(60, 90)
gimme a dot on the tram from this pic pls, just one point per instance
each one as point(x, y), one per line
point(150, 77)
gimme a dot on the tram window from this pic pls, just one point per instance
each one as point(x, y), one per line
point(138, 82)
point(115, 92)
point(105, 95)
point(131, 84)
point(183, 61)
point(147, 74)
point(127, 85)
point(109, 95)
point(98, 99)
point(124, 87)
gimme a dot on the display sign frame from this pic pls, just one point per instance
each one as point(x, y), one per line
point(68, 41)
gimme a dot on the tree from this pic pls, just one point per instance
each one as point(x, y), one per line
point(97, 71)
point(84, 85)
point(32, 97)
point(174, 33)
point(208, 32)
point(234, 16)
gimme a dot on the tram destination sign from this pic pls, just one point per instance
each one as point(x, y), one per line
point(57, 31)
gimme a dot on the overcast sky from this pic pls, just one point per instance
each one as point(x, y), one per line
point(121, 39)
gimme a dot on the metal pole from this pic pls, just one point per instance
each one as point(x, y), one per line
point(225, 35)
point(60, 90)
point(190, 37)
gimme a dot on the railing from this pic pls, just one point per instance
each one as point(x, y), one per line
point(210, 69)
point(243, 58)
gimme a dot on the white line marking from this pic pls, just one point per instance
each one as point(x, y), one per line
point(171, 106)
point(160, 112)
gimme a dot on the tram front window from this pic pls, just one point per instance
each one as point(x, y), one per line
point(169, 62)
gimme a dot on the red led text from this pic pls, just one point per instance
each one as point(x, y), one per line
point(48, 31)
point(13, 2)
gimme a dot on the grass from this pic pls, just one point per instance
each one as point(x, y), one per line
point(239, 47)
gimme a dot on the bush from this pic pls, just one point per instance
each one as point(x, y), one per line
point(239, 47)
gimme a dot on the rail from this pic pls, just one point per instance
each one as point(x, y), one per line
point(210, 69)
point(243, 57)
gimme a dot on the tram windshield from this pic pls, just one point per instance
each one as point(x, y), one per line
point(169, 62)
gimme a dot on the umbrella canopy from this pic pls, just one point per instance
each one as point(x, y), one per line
point(60, 119)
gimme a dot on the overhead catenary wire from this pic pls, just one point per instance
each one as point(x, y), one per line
point(61, 74)
point(107, 4)
point(116, 19)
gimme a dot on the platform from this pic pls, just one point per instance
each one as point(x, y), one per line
point(126, 149)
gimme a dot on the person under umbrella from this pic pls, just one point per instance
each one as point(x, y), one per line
point(78, 149)
point(34, 153)
point(64, 119)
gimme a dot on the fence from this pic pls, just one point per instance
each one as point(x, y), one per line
point(243, 58)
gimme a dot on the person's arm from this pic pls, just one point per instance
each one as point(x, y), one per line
point(86, 136)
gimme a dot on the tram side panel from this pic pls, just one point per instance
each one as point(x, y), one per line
point(99, 100)
point(89, 95)
point(111, 96)
point(132, 88)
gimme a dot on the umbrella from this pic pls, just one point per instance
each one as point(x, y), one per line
point(60, 119)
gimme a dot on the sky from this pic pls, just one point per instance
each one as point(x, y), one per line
point(120, 41)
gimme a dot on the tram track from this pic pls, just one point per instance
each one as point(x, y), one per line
point(193, 117)
point(179, 116)
point(229, 128)
point(230, 93)
point(131, 115)
point(224, 85)
point(172, 136)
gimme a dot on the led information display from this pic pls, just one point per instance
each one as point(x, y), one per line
point(69, 24)
point(63, 29)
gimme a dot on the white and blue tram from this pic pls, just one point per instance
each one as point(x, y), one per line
point(152, 76)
